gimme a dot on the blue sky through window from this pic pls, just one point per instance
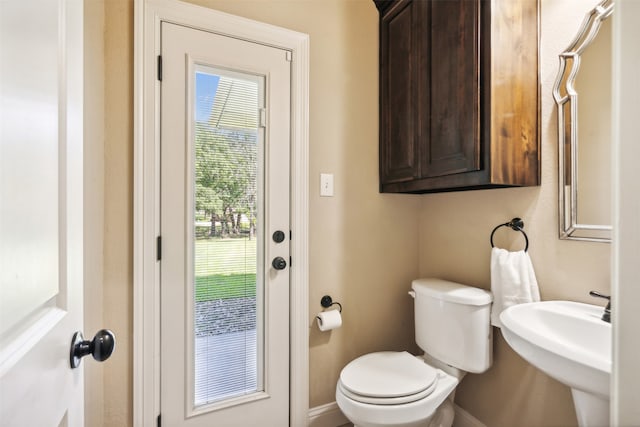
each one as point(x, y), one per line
point(206, 87)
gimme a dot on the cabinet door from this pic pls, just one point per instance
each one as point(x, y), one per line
point(399, 154)
point(459, 94)
point(451, 110)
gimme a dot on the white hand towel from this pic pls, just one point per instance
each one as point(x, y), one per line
point(513, 281)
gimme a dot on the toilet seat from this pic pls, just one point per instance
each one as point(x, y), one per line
point(387, 378)
point(386, 400)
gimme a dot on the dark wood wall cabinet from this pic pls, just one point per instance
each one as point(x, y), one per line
point(459, 95)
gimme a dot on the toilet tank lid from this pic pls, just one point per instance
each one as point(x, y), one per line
point(451, 291)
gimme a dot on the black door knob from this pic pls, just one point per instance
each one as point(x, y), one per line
point(100, 347)
point(279, 263)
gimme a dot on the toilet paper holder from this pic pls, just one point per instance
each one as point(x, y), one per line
point(326, 301)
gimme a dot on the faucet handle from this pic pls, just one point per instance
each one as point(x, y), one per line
point(607, 311)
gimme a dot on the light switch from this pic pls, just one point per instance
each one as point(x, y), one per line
point(326, 184)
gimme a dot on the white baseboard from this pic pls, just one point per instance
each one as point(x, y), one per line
point(328, 415)
point(465, 419)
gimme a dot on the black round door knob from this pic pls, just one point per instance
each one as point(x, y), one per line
point(100, 347)
point(279, 263)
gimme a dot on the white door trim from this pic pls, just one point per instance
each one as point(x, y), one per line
point(146, 315)
point(625, 293)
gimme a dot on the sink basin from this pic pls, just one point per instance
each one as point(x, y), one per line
point(569, 342)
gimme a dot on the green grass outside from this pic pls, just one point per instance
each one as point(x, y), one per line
point(225, 268)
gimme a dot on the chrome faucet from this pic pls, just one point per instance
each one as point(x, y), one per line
point(607, 310)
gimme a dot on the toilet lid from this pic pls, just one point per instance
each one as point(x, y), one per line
point(388, 374)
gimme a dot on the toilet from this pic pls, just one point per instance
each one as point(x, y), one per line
point(398, 389)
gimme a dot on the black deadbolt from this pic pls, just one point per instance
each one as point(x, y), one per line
point(278, 236)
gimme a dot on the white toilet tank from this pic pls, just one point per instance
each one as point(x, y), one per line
point(452, 323)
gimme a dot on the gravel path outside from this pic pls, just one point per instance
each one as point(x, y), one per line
point(224, 316)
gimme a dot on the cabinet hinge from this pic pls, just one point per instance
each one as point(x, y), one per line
point(159, 68)
point(289, 55)
point(159, 424)
point(290, 262)
point(158, 248)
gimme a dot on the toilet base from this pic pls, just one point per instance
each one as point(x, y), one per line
point(443, 417)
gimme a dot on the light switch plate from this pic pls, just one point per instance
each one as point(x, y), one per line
point(326, 184)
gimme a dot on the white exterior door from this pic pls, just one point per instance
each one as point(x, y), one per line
point(224, 225)
point(41, 67)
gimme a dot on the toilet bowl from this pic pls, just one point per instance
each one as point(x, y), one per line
point(395, 389)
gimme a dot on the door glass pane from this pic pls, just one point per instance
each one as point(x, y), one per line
point(227, 234)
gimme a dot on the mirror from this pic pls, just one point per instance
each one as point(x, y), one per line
point(583, 95)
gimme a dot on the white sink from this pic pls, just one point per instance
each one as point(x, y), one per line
point(569, 342)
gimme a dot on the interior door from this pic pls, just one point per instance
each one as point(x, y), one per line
point(41, 74)
point(224, 262)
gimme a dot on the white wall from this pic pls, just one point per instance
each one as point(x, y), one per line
point(626, 269)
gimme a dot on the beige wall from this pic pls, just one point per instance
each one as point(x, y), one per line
point(454, 244)
point(93, 200)
point(366, 247)
point(118, 210)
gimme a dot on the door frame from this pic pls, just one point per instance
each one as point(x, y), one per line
point(146, 223)
point(625, 376)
